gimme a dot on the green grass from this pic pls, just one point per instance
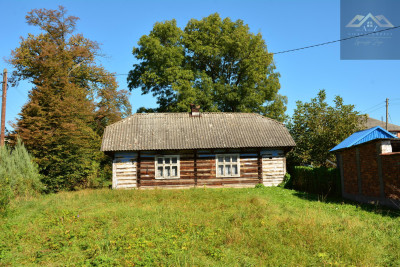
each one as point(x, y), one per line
point(202, 227)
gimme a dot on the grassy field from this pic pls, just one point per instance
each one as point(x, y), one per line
point(202, 227)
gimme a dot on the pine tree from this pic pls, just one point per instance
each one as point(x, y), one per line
point(72, 100)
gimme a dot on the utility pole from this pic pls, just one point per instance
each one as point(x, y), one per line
point(387, 111)
point(3, 108)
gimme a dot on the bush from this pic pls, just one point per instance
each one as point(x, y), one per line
point(287, 181)
point(260, 186)
point(19, 175)
point(5, 194)
point(321, 180)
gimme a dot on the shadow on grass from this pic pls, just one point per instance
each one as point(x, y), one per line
point(373, 208)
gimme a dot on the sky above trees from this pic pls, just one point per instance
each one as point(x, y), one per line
point(118, 26)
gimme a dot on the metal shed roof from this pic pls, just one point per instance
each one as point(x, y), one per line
point(171, 131)
point(363, 137)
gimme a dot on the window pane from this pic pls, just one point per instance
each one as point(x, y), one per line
point(167, 160)
point(160, 160)
point(234, 169)
point(220, 169)
point(228, 159)
point(220, 159)
point(174, 160)
point(160, 172)
point(228, 169)
point(174, 171)
point(167, 171)
point(234, 158)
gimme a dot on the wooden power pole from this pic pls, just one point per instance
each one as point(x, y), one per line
point(3, 108)
point(387, 112)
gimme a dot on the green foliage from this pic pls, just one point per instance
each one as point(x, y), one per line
point(260, 186)
point(19, 171)
point(71, 103)
point(210, 227)
point(317, 127)
point(215, 63)
point(321, 181)
point(5, 194)
point(19, 175)
point(5, 189)
point(287, 181)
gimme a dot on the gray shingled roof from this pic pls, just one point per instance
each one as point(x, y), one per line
point(371, 122)
point(161, 131)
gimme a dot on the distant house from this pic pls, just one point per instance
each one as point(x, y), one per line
point(369, 163)
point(180, 150)
point(392, 128)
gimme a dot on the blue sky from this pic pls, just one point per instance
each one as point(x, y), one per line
point(284, 24)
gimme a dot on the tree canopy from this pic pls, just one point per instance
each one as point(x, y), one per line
point(72, 100)
point(215, 63)
point(317, 127)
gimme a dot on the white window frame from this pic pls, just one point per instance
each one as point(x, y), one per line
point(170, 165)
point(230, 163)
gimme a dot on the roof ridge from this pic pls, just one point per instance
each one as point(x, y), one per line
point(178, 113)
point(206, 112)
point(360, 135)
point(368, 131)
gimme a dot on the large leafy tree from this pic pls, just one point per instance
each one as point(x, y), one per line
point(216, 63)
point(317, 127)
point(72, 100)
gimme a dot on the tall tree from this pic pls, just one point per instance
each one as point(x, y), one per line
point(218, 64)
point(317, 127)
point(72, 100)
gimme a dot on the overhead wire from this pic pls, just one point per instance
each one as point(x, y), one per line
point(295, 49)
point(376, 109)
point(335, 41)
point(381, 103)
point(371, 109)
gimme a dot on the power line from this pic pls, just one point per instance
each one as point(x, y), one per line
point(381, 103)
point(376, 109)
point(290, 50)
point(18, 91)
point(114, 74)
point(331, 42)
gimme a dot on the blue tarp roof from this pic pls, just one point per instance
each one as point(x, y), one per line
point(363, 137)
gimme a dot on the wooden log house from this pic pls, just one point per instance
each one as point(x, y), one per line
point(181, 150)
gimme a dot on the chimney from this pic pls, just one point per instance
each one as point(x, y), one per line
point(194, 110)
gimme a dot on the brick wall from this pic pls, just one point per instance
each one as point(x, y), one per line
point(391, 175)
point(350, 171)
point(369, 169)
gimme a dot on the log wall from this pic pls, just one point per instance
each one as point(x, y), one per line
point(198, 168)
point(124, 170)
point(273, 166)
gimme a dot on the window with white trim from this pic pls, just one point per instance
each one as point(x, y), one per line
point(228, 165)
point(167, 167)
